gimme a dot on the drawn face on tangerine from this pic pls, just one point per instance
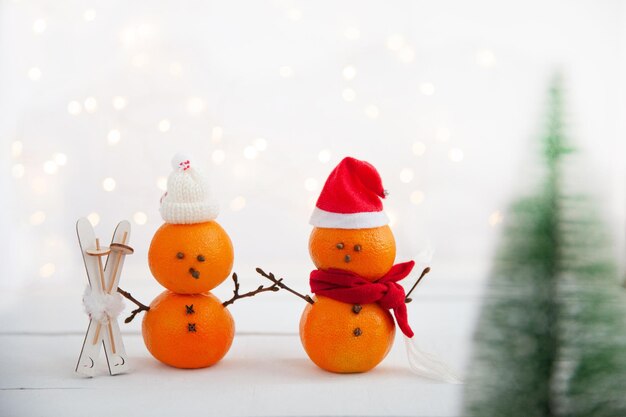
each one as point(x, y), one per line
point(369, 253)
point(190, 258)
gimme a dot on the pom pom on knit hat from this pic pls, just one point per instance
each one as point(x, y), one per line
point(351, 198)
point(188, 197)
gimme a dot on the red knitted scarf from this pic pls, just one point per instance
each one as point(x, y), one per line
point(351, 288)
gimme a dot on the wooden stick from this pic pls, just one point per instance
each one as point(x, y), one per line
point(118, 260)
point(101, 270)
point(424, 272)
point(107, 290)
point(97, 335)
point(117, 264)
point(111, 337)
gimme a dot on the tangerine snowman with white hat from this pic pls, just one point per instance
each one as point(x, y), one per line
point(190, 254)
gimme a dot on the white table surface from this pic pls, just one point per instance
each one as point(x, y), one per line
point(266, 372)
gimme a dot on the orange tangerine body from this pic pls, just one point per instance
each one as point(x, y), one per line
point(191, 258)
point(345, 338)
point(188, 331)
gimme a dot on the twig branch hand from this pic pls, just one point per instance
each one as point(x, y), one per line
point(237, 296)
point(141, 307)
point(279, 282)
point(424, 272)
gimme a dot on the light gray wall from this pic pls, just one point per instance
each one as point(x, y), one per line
point(230, 55)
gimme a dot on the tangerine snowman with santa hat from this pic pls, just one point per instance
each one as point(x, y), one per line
point(348, 326)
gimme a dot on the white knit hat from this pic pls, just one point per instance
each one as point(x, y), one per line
point(188, 198)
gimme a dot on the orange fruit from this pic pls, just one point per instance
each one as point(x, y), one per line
point(346, 338)
point(369, 253)
point(191, 258)
point(188, 331)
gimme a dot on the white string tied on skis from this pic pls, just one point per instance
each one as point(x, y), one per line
point(102, 306)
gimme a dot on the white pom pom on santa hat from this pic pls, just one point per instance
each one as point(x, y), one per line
point(188, 198)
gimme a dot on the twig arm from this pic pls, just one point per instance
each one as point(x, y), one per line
point(424, 272)
point(237, 296)
point(279, 282)
point(141, 307)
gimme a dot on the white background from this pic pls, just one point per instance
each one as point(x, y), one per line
point(447, 99)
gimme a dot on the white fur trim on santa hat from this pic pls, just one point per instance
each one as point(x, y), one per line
point(188, 198)
point(364, 220)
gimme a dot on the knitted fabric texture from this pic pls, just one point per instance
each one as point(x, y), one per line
point(188, 198)
point(349, 287)
point(351, 198)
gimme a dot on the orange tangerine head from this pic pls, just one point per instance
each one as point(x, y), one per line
point(190, 258)
point(369, 253)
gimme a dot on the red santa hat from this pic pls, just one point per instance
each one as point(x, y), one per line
point(351, 198)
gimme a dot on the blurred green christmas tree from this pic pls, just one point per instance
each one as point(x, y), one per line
point(551, 339)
